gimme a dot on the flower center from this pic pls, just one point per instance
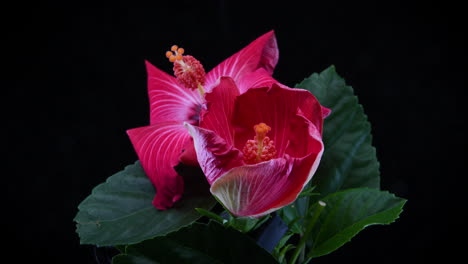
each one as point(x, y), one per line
point(188, 70)
point(261, 148)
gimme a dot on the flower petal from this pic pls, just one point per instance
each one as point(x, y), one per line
point(280, 108)
point(261, 53)
point(325, 112)
point(189, 156)
point(169, 101)
point(214, 155)
point(158, 147)
point(257, 190)
point(256, 79)
point(219, 110)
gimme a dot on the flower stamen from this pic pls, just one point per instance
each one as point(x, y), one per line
point(188, 70)
point(261, 148)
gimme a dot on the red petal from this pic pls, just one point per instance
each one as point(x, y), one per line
point(169, 101)
point(214, 155)
point(189, 156)
point(220, 107)
point(261, 53)
point(158, 148)
point(256, 79)
point(282, 109)
point(325, 112)
point(256, 190)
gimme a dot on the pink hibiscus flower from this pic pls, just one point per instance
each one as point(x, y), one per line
point(173, 101)
point(250, 173)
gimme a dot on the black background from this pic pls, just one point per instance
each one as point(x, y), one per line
point(75, 81)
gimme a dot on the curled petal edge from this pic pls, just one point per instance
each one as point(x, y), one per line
point(253, 190)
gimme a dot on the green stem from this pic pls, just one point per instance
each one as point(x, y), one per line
point(310, 226)
point(301, 256)
point(307, 260)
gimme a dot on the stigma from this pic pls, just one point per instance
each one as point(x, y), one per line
point(261, 148)
point(188, 70)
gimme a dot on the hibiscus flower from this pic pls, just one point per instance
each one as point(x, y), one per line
point(250, 173)
point(161, 145)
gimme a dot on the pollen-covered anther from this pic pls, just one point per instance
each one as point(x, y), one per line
point(188, 70)
point(261, 148)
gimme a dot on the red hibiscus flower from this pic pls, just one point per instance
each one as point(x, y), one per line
point(175, 100)
point(258, 149)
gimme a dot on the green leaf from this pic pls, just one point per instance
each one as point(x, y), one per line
point(293, 214)
point(349, 159)
point(198, 243)
point(120, 211)
point(348, 212)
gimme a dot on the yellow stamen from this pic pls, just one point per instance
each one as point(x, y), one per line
point(260, 132)
point(261, 148)
point(172, 58)
point(188, 70)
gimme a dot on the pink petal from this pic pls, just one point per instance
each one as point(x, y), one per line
point(282, 109)
point(189, 156)
point(158, 147)
point(256, 79)
point(256, 190)
point(325, 112)
point(170, 101)
point(214, 155)
point(261, 53)
point(219, 110)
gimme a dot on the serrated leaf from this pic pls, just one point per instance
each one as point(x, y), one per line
point(120, 211)
point(198, 243)
point(349, 159)
point(348, 212)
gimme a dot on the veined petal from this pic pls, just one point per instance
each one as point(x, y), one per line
point(214, 155)
point(169, 101)
point(257, 190)
point(261, 53)
point(219, 110)
point(158, 147)
point(285, 110)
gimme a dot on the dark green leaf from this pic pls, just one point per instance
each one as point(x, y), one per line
point(348, 212)
point(120, 211)
point(121, 248)
point(129, 259)
point(349, 159)
point(198, 243)
point(293, 214)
